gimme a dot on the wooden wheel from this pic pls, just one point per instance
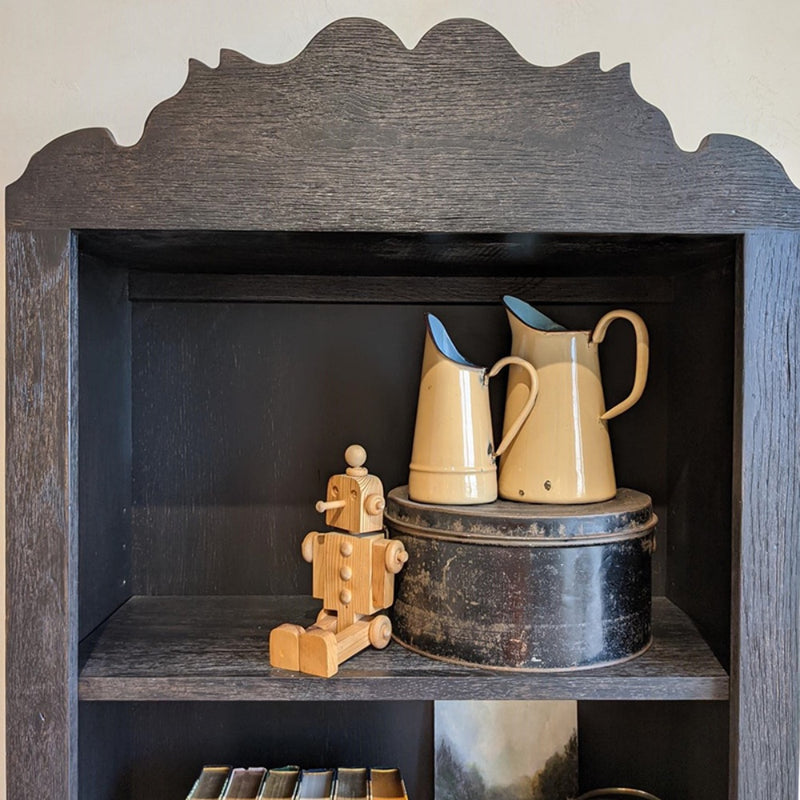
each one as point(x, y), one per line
point(380, 631)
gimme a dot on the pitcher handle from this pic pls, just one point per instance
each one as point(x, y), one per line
point(642, 355)
point(526, 409)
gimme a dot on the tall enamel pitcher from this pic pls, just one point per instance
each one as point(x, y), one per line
point(453, 460)
point(562, 454)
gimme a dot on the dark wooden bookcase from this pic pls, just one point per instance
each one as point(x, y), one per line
point(199, 324)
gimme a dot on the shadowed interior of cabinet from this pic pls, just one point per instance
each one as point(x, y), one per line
point(222, 376)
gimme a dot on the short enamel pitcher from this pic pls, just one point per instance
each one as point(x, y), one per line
point(453, 459)
point(562, 454)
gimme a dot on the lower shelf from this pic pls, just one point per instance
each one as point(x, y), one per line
point(217, 648)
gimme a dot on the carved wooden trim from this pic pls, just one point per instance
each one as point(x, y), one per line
point(359, 133)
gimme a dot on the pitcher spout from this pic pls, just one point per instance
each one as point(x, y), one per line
point(521, 312)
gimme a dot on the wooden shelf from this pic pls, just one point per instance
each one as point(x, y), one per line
point(216, 648)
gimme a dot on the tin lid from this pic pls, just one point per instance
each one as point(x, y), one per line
point(628, 515)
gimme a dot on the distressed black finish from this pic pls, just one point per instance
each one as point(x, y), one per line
point(449, 166)
point(628, 515)
point(520, 586)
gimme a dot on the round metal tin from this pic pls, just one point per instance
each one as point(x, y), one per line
point(525, 587)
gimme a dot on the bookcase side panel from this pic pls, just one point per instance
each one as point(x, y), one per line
point(104, 458)
point(41, 532)
point(765, 701)
point(702, 344)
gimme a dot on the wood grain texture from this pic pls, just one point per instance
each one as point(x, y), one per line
point(359, 133)
point(766, 697)
point(216, 648)
point(41, 535)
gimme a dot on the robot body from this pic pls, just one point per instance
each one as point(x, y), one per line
point(353, 575)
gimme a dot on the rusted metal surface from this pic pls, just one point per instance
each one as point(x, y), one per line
point(528, 587)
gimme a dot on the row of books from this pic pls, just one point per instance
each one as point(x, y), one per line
point(293, 783)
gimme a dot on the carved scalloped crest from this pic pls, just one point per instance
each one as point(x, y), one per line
point(358, 132)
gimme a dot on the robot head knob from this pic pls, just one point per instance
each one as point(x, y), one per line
point(356, 457)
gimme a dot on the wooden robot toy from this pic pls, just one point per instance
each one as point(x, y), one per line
point(353, 575)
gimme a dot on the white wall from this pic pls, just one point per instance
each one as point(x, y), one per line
point(727, 66)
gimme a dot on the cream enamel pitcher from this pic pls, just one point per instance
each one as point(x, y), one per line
point(563, 452)
point(453, 460)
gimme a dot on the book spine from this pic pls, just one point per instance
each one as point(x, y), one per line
point(315, 784)
point(210, 784)
point(280, 783)
point(244, 783)
point(387, 784)
point(350, 784)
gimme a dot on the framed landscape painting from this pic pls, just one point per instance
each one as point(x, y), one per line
point(506, 750)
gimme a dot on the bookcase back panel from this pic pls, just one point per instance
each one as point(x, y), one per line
point(690, 765)
point(157, 749)
point(241, 411)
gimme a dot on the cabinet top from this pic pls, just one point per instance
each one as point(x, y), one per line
point(360, 133)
